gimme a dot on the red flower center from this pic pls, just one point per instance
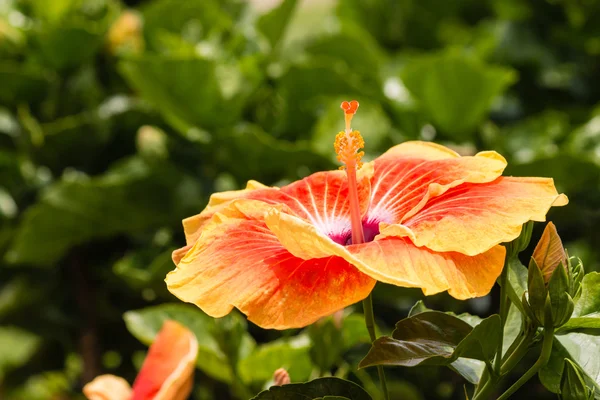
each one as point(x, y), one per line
point(344, 237)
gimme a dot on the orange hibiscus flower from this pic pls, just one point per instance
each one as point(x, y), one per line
point(167, 372)
point(419, 216)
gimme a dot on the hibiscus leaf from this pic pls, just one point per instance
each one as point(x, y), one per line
point(144, 324)
point(272, 25)
point(454, 91)
point(434, 338)
point(322, 388)
point(587, 309)
point(580, 347)
point(78, 209)
point(17, 346)
point(517, 282)
point(293, 355)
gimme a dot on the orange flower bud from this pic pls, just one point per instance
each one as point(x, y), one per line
point(549, 252)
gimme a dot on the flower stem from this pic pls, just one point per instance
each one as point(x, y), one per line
point(541, 361)
point(370, 323)
point(514, 356)
point(503, 314)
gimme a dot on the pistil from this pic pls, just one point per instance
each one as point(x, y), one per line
point(347, 146)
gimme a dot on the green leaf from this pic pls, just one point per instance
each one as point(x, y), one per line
point(269, 158)
point(468, 368)
point(191, 92)
point(140, 273)
point(70, 43)
point(291, 354)
point(587, 309)
point(579, 347)
point(17, 346)
point(455, 91)
point(144, 324)
point(331, 338)
point(78, 209)
point(354, 331)
point(573, 385)
point(22, 83)
point(517, 279)
point(273, 24)
point(191, 20)
point(52, 11)
point(434, 338)
point(315, 389)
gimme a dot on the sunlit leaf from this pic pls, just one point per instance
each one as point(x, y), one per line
point(144, 324)
point(293, 355)
point(455, 91)
point(17, 346)
point(587, 309)
point(74, 211)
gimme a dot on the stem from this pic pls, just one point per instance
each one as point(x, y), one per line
point(541, 361)
point(519, 352)
point(503, 315)
point(370, 323)
point(85, 298)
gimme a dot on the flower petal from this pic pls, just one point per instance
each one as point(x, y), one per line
point(420, 150)
point(107, 387)
point(410, 174)
point(238, 262)
point(396, 260)
point(473, 218)
point(399, 262)
point(321, 198)
point(192, 225)
point(168, 370)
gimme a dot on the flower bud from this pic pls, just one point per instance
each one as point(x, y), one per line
point(549, 253)
point(551, 281)
point(572, 385)
point(281, 377)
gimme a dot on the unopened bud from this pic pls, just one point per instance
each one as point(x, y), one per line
point(549, 253)
point(551, 277)
point(281, 377)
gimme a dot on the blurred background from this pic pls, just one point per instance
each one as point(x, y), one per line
point(119, 118)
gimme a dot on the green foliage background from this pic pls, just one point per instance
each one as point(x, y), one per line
point(110, 136)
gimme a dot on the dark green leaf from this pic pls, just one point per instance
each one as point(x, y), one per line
point(21, 83)
point(316, 389)
point(434, 338)
point(70, 43)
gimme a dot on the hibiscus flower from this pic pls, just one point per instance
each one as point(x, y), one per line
point(167, 372)
point(418, 216)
